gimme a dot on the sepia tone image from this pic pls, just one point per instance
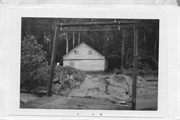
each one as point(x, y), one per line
point(89, 63)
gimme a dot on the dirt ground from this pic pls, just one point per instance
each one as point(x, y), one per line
point(96, 93)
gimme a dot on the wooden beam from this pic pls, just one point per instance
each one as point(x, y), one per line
point(53, 57)
point(135, 67)
point(95, 23)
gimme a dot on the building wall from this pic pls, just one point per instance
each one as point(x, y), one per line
point(86, 65)
point(85, 58)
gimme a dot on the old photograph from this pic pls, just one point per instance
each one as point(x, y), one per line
point(89, 63)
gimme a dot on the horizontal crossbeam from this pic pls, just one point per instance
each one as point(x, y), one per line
point(94, 23)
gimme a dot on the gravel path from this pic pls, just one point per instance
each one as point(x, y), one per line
point(94, 93)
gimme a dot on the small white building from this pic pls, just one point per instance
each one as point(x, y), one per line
point(85, 58)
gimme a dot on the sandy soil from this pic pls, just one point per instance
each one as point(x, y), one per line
point(28, 97)
point(96, 93)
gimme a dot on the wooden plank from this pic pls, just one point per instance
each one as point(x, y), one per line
point(53, 57)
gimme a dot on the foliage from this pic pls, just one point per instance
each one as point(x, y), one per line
point(34, 66)
point(141, 72)
point(68, 71)
point(66, 78)
point(79, 76)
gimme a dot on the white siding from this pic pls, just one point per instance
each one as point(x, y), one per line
point(86, 65)
point(98, 65)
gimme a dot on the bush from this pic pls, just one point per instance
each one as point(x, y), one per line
point(78, 77)
point(34, 66)
point(67, 78)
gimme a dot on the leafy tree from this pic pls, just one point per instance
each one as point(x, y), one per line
point(34, 66)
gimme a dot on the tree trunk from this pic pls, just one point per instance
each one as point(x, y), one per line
point(79, 39)
point(67, 43)
point(73, 39)
point(122, 55)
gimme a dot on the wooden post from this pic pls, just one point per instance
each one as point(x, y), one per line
point(53, 57)
point(73, 38)
point(135, 61)
point(122, 56)
point(67, 43)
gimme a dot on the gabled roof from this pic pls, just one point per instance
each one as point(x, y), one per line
point(80, 45)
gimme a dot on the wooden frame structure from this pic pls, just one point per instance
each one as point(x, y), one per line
point(59, 28)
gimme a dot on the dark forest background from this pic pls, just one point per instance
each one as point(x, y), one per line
point(108, 43)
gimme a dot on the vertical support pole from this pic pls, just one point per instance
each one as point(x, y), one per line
point(122, 54)
point(79, 38)
point(67, 43)
point(135, 67)
point(53, 57)
point(73, 38)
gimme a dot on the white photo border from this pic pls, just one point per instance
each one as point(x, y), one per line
point(15, 50)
